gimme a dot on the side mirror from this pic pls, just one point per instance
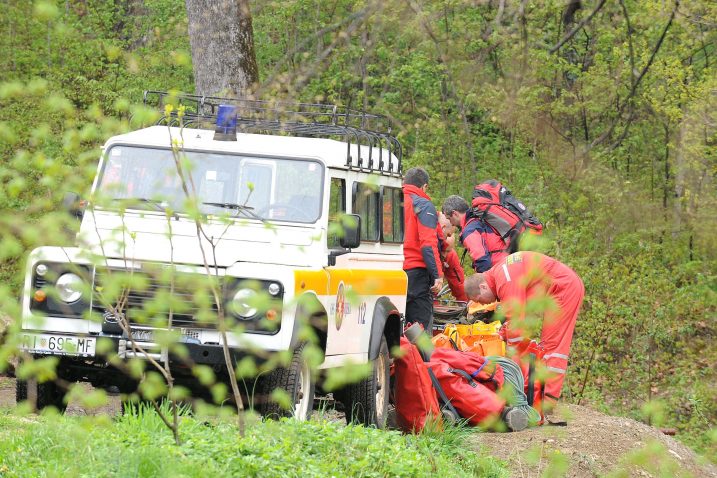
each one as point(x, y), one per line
point(74, 205)
point(351, 224)
point(351, 237)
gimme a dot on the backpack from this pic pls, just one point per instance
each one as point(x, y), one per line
point(471, 390)
point(495, 205)
point(415, 399)
point(478, 367)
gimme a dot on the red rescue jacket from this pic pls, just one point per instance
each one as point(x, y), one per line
point(453, 272)
point(527, 275)
point(452, 268)
point(420, 243)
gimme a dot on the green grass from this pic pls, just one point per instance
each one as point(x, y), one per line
point(140, 445)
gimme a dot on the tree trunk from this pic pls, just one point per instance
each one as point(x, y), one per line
point(680, 180)
point(666, 181)
point(222, 41)
point(569, 15)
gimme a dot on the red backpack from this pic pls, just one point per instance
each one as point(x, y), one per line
point(495, 205)
point(414, 396)
point(469, 382)
point(478, 367)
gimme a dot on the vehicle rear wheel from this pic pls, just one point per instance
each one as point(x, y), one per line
point(366, 402)
point(47, 394)
point(297, 381)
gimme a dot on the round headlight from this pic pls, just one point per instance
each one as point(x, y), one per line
point(241, 303)
point(274, 288)
point(69, 287)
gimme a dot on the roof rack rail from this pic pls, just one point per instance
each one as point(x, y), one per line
point(356, 128)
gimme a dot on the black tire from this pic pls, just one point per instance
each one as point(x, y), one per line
point(366, 401)
point(297, 381)
point(48, 394)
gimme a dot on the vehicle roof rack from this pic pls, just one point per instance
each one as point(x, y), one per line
point(356, 128)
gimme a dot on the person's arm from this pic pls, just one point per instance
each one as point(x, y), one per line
point(453, 272)
point(474, 242)
point(512, 293)
point(427, 238)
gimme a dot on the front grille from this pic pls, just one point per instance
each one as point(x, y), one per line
point(141, 288)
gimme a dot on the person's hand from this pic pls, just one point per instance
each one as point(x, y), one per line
point(437, 286)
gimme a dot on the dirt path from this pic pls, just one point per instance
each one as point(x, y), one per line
point(593, 444)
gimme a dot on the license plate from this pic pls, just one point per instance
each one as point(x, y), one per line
point(59, 344)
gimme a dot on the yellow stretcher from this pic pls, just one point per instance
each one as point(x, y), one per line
point(479, 337)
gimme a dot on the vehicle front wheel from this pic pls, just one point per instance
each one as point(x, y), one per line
point(366, 402)
point(297, 381)
point(47, 394)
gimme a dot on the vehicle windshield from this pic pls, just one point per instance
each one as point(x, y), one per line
point(242, 186)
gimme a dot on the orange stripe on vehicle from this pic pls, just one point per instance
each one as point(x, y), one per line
point(379, 282)
point(362, 281)
point(317, 281)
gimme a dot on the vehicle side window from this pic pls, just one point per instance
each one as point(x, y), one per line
point(365, 202)
point(392, 209)
point(337, 207)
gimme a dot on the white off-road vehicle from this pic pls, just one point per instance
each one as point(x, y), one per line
point(274, 200)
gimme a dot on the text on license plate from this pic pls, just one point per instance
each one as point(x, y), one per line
point(59, 344)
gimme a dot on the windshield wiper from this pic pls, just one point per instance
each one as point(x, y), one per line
point(247, 210)
point(153, 202)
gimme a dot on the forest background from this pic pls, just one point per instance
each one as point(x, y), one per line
point(600, 115)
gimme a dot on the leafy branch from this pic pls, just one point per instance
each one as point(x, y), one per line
point(221, 318)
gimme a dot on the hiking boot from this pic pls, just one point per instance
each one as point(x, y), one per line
point(515, 418)
point(413, 332)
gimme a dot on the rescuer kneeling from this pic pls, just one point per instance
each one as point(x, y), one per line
point(530, 285)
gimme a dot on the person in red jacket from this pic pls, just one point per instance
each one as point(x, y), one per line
point(452, 267)
point(422, 261)
point(482, 242)
point(528, 285)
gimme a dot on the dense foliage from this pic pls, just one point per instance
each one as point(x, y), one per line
point(611, 138)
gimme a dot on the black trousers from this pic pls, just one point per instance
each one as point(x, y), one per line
point(419, 299)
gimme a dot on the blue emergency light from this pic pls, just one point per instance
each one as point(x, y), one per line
point(226, 129)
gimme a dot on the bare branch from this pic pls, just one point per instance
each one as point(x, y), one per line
point(272, 77)
point(174, 427)
point(454, 94)
point(577, 27)
point(215, 293)
point(656, 49)
point(635, 84)
point(499, 14)
point(629, 42)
